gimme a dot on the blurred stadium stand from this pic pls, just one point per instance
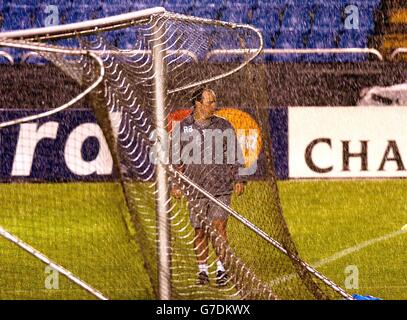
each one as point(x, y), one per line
point(393, 27)
point(294, 24)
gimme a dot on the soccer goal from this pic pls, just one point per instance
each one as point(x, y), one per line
point(102, 215)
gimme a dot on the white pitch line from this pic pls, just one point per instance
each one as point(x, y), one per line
point(342, 253)
point(357, 248)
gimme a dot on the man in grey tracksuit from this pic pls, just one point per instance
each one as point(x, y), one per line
point(211, 158)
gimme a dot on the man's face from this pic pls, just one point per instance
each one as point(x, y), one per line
point(208, 105)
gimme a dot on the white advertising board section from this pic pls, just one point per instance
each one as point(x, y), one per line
point(347, 142)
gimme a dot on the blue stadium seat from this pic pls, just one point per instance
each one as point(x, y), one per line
point(267, 17)
point(111, 10)
point(18, 17)
point(327, 20)
point(231, 3)
point(111, 38)
point(96, 13)
point(267, 20)
point(209, 11)
point(353, 39)
point(72, 16)
point(136, 6)
point(322, 40)
point(30, 3)
point(289, 40)
point(15, 53)
point(319, 40)
point(126, 39)
point(199, 3)
point(181, 8)
point(82, 13)
point(184, 2)
point(332, 16)
point(70, 43)
point(154, 3)
point(115, 2)
point(41, 13)
point(366, 18)
point(269, 36)
point(239, 13)
point(36, 59)
point(278, 3)
point(371, 3)
point(4, 60)
point(296, 18)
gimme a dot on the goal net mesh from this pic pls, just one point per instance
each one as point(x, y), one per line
point(94, 221)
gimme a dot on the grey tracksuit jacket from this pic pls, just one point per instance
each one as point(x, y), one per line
point(216, 166)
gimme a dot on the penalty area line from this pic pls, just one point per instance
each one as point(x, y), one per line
point(340, 254)
point(358, 247)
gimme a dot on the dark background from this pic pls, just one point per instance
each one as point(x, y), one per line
point(264, 84)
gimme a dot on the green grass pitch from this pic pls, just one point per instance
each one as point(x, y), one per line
point(352, 223)
point(338, 226)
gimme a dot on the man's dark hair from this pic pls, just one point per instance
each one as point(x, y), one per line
point(198, 95)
